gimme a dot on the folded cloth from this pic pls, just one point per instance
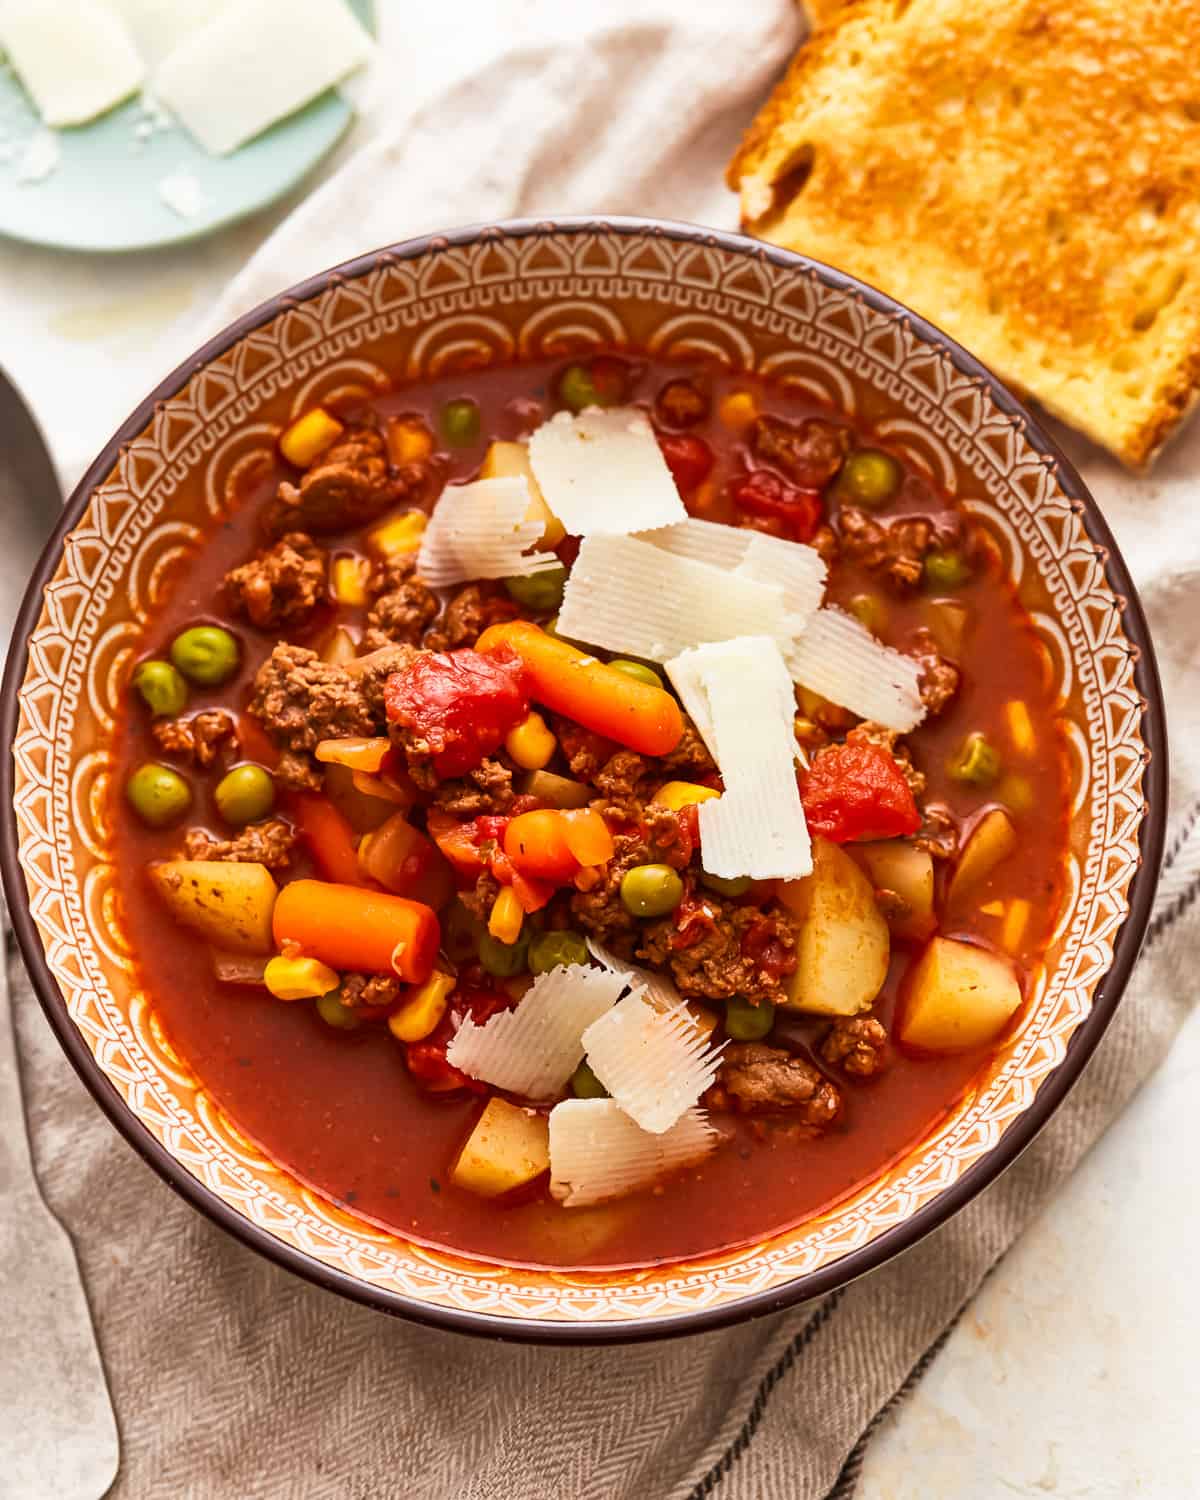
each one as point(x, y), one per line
point(234, 1380)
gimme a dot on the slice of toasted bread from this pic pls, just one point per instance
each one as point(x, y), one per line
point(1024, 173)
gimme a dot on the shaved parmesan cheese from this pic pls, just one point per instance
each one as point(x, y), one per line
point(798, 570)
point(597, 1152)
point(657, 988)
point(480, 531)
point(840, 659)
point(603, 471)
point(742, 700)
point(627, 596)
point(255, 63)
point(534, 1049)
point(75, 57)
point(654, 1063)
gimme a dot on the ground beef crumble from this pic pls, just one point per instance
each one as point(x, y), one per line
point(689, 757)
point(402, 605)
point(371, 672)
point(282, 585)
point(755, 1078)
point(486, 789)
point(895, 551)
point(268, 843)
point(938, 833)
point(199, 739)
point(857, 1045)
point(369, 990)
point(599, 910)
point(468, 615)
point(585, 750)
point(809, 453)
point(301, 700)
point(350, 484)
point(940, 678)
point(714, 956)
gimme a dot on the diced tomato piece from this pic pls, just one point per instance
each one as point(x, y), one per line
point(761, 493)
point(761, 943)
point(689, 459)
point(695, 918)
point(532, 894)
point(427, 1064)
point(857, 792)
point(457, 841)
point(460, 703)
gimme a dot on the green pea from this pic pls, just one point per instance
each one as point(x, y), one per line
point(538, 591)
point(205, 654)
point(745, 1022)
point(638, 670)
point(460, 423)
point(335, 1014)
point(503, 959)
point(651, 890)
point(977, 762)
point(164, 689)
point(870, 477)
point(549, 950)
point(585, 1084)
point(246, 794)
point(726, 885)
point(945, 569)
point(158, 795)
point(578, 390)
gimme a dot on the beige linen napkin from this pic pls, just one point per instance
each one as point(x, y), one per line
point(234, 1380)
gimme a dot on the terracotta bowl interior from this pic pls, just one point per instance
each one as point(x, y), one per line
point(499, 294)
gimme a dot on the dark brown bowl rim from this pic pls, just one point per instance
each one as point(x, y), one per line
point(805, 1288)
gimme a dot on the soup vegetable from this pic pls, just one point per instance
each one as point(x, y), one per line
point(592, 813)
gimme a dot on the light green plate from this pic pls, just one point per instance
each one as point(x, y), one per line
point(104, 193)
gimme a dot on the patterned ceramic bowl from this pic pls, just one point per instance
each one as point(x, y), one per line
point(425, 308)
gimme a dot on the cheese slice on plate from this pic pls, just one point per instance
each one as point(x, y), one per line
point(839, 658)
point(603, 472)
point(158, 26)
point(798, 570)
point(75, 57)
point(627, 596)
point(741, 698)
point(255, 63)
point(534, 1049)
point(597, 1152)
point(482, 530)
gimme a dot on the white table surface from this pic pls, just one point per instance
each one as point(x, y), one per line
point(1073, 1372)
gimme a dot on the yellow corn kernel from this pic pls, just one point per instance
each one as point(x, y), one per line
point(309, 436)
point(738, 410)
point(1016, 919)
point(507, 915)
point(992, 909)
point(408, 442)
point(350, 580)
point(399, 535)
point(299, 978)
point(679, 794)
point(531, 744)
point(424, 1008)
point(1020, 727)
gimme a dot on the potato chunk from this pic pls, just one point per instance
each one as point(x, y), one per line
point(511, 461)
point(908, 872)
point(993, 840)
point(508, 1147)
point(843, 948)
point(957, 997)
point(228, 903)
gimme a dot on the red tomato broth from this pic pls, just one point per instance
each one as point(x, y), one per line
point(340, 1111)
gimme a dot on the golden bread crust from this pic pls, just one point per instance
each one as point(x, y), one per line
point(1024, 173)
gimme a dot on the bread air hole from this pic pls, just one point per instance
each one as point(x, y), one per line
point(1159, 289)
point(794, 171)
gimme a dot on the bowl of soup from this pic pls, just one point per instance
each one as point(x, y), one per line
point(581, 780)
